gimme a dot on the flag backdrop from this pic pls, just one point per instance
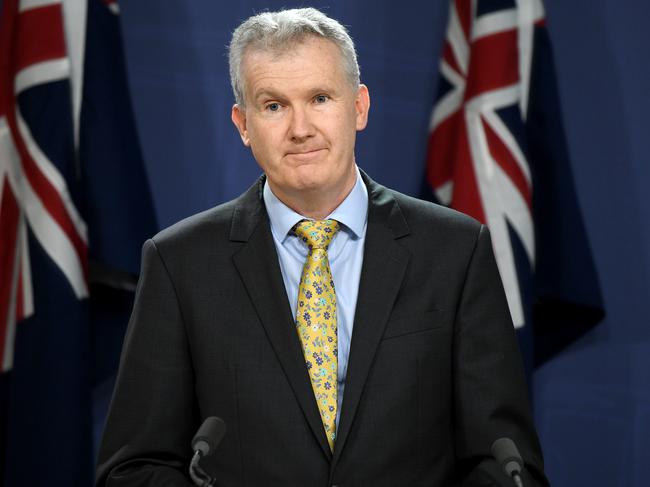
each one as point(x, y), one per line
point(497, 152)
point(74, 210)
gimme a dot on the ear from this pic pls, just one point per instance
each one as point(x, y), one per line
point(362, 106)
point(238, 117)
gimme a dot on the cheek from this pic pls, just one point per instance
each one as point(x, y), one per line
point(347, 126)
point(264, 145)
point(345, 136)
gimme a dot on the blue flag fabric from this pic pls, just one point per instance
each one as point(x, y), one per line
point(118, 200)
point(96, 211)
point(568, 300)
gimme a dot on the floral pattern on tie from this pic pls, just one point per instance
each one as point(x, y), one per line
point(316, 318)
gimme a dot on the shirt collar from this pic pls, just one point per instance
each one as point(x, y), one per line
point(352, 212)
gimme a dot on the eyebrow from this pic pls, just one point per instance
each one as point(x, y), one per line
point(271, 94)
point(267, 94)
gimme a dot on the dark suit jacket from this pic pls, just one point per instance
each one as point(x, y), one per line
point(434, 372)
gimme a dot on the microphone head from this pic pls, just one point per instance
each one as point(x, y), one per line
point(505, 452)
point(209, 436)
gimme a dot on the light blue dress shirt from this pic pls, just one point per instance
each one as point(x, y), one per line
point(345, 255)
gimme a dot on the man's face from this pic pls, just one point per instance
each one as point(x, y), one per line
point(301, 118)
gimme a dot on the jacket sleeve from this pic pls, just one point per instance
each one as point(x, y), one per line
point(153, 413)
point(490, 393)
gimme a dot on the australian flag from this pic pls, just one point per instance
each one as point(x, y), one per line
point(497, 151)
point(75, 207)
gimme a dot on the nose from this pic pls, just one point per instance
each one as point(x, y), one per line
point(301, 124)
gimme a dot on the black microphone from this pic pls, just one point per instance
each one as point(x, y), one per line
point(505, 452)
point(204, 443)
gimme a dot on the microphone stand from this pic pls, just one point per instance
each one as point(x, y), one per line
point(198, 475)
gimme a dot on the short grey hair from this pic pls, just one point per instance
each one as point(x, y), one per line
point(277, 32)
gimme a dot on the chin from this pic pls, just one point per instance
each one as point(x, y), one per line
point(310, 178)
point(309, 185)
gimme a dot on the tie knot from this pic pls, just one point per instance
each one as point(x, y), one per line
point(316, 233)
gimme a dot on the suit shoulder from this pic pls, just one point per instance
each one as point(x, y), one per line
point(215, 221)
point(436, 236)
point(198, 235)
point(425, 214)
point(218, 224)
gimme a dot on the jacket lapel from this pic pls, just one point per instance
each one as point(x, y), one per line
point(384, 265)
point(257, 263)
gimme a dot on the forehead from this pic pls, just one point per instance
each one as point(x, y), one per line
point(312, 60)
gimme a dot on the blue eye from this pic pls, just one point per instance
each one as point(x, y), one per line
point(273, 107)
point(321, 98)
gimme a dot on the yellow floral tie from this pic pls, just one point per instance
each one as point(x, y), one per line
point(316, 318)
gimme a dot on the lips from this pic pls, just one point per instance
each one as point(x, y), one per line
point(305, 155)
point(303, 152)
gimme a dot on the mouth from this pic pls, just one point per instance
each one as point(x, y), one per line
point(305, 155)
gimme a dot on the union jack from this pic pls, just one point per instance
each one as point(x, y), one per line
point(69, 155)
point(34, 178)
point(477, 156)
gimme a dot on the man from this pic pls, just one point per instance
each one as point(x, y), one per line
point(347, 334)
